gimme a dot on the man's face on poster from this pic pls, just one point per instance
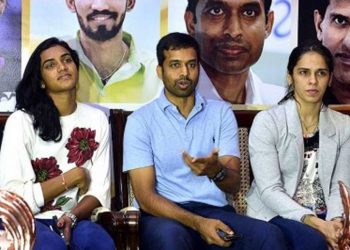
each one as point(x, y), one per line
point(334, 32)
point(231, 33)
point(100, 20)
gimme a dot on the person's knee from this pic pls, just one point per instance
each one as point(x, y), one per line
point(268, 231)
point(309, 239)
point(316, 241)
point(166, 235)
point(300, 236)
point(89, 235)
point(270, 236)
point(49, 241)
point(169, 231)
point(273, 232)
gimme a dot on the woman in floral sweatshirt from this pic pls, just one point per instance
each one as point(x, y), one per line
point(55, 152)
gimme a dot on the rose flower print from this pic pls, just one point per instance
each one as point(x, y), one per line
point(81, 145)
point(45, 168)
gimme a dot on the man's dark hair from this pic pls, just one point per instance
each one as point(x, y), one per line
point(322, 6)
point(296, 54)
point(175, 41)
point(34, 100)
point(192, 4)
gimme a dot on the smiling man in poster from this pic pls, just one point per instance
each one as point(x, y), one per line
point(112, 70)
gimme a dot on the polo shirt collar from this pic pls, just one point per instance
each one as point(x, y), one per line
point(253, 95)
point(164, 103)
point(134, 59)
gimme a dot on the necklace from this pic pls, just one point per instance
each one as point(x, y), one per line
point(309, 129)
point(106, 78)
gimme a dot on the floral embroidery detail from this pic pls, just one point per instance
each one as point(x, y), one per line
point(49, 206)
point(45, 168)
point(81, 145)
point(62, 201)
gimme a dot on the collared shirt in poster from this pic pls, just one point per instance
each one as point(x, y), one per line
point(257, 92)
point(135, 82)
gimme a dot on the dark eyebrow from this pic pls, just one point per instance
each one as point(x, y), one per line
point(255, 5)
point(174, 60)
point(252, 4)
point(179, 61)
point(65, 54)
point(48, 60)
point(337, 15)
point(192, 61)
point(51, 59)
point(303, 68)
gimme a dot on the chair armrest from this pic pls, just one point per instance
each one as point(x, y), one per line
point(123, 226)
point(119, 221)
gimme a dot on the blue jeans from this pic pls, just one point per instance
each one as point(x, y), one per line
point(86, 235)
point(300, 236)
point(158, 233)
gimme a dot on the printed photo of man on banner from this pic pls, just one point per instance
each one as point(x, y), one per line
point(241, 63)
point(244, 46)
point(328, 22)
point(117, 64)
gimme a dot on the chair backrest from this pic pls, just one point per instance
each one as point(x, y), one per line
point(3, 119)
point(122, 189)
point(118, 119)
point(123, 193)
point(244, 119)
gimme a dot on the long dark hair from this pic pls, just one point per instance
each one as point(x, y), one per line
point(297, 53)
point(34, 100)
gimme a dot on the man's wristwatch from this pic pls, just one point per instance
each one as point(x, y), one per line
point(219, 176)
point(73, 217)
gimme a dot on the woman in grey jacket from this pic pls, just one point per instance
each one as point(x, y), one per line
point(299, 150)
